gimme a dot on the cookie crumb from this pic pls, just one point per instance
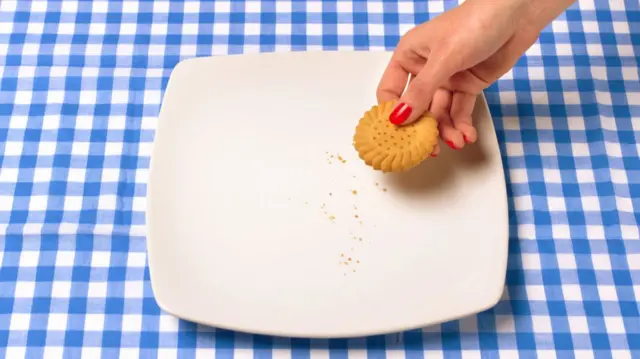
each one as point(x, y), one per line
point(354, 192)
point(356, 216)
point(384, 190)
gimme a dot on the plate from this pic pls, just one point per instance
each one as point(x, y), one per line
point(261, 217)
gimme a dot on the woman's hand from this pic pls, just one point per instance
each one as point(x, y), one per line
point(450, 59)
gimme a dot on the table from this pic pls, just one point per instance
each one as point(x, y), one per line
point(81, 84)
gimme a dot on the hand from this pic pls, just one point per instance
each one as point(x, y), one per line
point(452, 58)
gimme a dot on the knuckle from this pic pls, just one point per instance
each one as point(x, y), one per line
point(419, 84)
point(417, 91)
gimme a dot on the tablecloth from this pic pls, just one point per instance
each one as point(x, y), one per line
point(81, 84)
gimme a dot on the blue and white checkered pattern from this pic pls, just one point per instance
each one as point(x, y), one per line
point(80, 88)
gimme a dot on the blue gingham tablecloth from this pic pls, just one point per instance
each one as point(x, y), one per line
point(81, 84)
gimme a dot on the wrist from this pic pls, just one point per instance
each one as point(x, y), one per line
point(541, 13)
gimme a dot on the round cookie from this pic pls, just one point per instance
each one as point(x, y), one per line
point(390, 148)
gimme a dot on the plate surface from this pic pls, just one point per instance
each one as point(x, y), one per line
point(261, 218)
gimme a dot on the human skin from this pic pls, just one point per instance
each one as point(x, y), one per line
point(449, 60)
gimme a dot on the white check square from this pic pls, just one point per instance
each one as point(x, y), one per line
point(566, 261)
point(25, 289)
point(607, 293)
point(541, 324)
point(523, 203)
point(131, 323)
point(136, 259)
point(526, 231)
point(73, 203)
point(578, 325)
point(8, 6)
point(80, 148)
point(134, 289)
point(630, 232)
point(561, 231)
point(552, 175)
point(38, 203)
point(557, 204)
point(61, 289)
point(531, 261)
point(567, 72)
point(160, 6)
point(253, 7)
point(97, 290)
point(595, 232)
point(91, 352)
point(547, 149)
point(46, 148)
point(9, 175)
point(107, 202)
point(100, 259)
point(342, 6)
point(57, 322)
point(536, 292)
point(590, 203)
point(19, 321)
point(314, 7)
point(76, 175)
point(168, 323)
point(29, 258)
point(572, 292)
point(94, 322)
point(518, 175)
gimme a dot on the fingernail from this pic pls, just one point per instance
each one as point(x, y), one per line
point(434, 155)
point(452, 145)
point(400, 114)
point(466, 139)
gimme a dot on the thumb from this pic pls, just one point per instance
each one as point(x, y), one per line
point(417, 98)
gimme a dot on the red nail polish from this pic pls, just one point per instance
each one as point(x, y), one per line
point(466, 139)
point(434, 155)
point(400, 114)
point(452, 145)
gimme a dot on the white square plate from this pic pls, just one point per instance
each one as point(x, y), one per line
point(262, 218)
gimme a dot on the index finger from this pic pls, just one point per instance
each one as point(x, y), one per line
point(393, 81)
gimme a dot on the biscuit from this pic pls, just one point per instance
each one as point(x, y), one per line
point(390, 148)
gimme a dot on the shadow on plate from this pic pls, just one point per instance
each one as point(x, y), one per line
point(437, 174)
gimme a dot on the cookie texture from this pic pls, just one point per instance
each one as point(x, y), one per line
point(390, 148)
